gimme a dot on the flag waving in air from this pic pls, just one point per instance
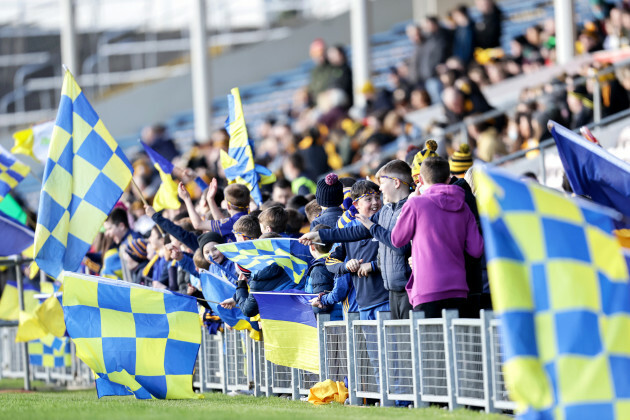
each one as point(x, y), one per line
point(12, 172)
point(166, 195)
point(238, 163)
point(593, 171)
point(34, 141)
point(560, 286)
point(86, 173)
point(136, 339)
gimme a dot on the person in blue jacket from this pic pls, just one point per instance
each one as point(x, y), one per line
point(359, 258)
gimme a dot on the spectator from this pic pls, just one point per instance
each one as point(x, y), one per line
point(464, 35)
point(442, 284)
point(488, 29)
point(329, 196)
point(281, 192)
point(293, 168)
point(341, 74)
point(155, 137)
point(319, 279)
point(321, 74)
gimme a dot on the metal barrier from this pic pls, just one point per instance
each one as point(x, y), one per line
point(448, 360)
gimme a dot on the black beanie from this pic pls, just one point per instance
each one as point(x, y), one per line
point(329, 191)
point(209, 237)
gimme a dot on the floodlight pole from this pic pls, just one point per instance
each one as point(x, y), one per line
point(200, 68)
point(69, 37)
point(20, 290)
point(360, 40)
point(565, 30)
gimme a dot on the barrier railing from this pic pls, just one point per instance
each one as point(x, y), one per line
point(449, 360)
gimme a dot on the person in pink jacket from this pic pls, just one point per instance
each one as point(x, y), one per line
point(441, 227)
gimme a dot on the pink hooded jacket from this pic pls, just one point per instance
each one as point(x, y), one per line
point(441, 227)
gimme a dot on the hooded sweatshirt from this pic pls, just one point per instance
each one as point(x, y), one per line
point(441, 227)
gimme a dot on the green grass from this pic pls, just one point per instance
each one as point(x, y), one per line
point(70, 405)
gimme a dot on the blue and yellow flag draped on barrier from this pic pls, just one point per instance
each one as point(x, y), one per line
point(86, 173)
point(137, 340)
point(166, 196)
point(560, 286)
point(54, 354)
point(9, 308)
point(290, 329)
point(216, 289)
point(238, 162)
point(12, 172)
point(593, 171)
point(257, 254)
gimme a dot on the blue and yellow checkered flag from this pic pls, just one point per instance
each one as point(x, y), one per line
point(257, 254)
point(238, 163)
point(560, 285)
point(136, 339)
point(12, 172)
point(86, 173)
point(51, 352)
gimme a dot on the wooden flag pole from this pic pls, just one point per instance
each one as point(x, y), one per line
point(144, 201)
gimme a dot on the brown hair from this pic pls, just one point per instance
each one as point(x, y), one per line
point(199, 260)
point(322, 249)
point(396, 169)
point(274, 217)
point(237, 195)
point(247, 226)
point(435, 170)
point(312, 210)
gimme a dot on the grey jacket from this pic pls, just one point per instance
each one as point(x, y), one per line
point(392, 261)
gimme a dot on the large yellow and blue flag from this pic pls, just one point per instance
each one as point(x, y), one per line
point(238, 162)
point(289, 328)
point(166, 196)
point(53, 353)
point(12, 172)
point(592, 171)
point(216, 289)
point(136, 339)
point(9, 307)
point(255, 255)
point(560, 285)
point(86, 173)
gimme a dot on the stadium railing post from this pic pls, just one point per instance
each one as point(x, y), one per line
point(202, 361)
point(223, 357)
point(382, 355)
point(323, 368)
point(486, 354)
point(257, 368)
point(269, 373)
point(295, 384)
point(448, 316)
point(352, 379)
point(414, 316)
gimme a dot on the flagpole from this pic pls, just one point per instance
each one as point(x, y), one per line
point(145, 202)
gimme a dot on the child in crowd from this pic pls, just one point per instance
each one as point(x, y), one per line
point(312, 210)
point(117, 229)
point(273, 219)
point(371, 296)
point(157, 265)
point(396, 185)
point(136, 259)
point(440, 212)
point(329, 196)
point(319, 279)
point(237, 197)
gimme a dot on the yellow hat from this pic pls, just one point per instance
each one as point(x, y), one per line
point(461, 161)
point(429, 150)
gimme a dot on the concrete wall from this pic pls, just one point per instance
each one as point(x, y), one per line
point(128, 111)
